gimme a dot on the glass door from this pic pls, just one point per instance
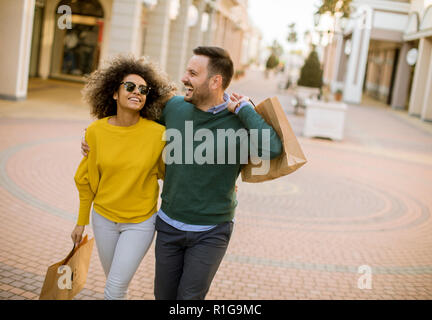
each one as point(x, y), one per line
point(76, 50)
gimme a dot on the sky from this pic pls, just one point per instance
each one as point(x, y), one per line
point(272, 17)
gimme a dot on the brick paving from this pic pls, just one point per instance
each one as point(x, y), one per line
point(365, 200)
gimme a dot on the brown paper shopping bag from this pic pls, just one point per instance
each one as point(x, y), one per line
point(67, 278)
point(292, 156)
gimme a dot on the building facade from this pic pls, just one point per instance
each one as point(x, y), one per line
point(67, 39)
point(372, 55)
point(418, 35)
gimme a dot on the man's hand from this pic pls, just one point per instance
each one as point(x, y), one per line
point(85, 149)
point(235, 100)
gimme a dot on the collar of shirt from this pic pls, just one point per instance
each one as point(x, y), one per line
point(220, 107)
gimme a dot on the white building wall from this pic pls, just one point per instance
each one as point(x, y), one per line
point(386, 19)
point(16, 35)
point(156, 45)
point(390, 21)
point(353, 87)
point(125, 25)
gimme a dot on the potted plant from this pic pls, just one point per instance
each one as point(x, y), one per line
point(323, 118)
point(338, 95)
point(311, 72)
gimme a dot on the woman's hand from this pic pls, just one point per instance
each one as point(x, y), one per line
point(235, 100)
point(76, 234)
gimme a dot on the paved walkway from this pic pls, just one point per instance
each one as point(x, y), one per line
point(364, 201)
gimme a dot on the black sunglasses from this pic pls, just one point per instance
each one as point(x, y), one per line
point(130, 86)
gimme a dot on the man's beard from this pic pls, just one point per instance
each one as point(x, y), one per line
point(199, 94)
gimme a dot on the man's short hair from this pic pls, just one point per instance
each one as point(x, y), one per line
point(219, 63)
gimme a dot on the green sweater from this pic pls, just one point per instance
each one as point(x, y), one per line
point(200, 190)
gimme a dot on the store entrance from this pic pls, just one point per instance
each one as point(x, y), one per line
point(76, 51)
point(36, 39)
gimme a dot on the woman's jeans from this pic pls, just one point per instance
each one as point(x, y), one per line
point(121, 247)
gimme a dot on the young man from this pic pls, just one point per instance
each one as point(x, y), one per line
point(195, 221)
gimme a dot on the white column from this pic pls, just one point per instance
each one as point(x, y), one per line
point(420, 78)
point(337, 62)
point(210, 33)
point(427, 100)
point(125, 26)
point(357, 61)
point(326, 61)
point(48, 29)
point(195, 33)
point(107, 7)
point(402, 80)
point(156, 45)
point(178, 42)
point(16, 27)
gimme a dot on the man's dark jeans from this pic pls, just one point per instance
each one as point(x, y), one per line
point(186, 262)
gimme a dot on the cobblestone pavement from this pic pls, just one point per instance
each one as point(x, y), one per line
point(365, 200)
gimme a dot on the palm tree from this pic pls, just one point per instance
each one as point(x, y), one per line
point(334, 6)
point(292, 34)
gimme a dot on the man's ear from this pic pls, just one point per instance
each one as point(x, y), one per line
point(216, 81)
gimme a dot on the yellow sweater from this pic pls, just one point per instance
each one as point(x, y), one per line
point(120, 173)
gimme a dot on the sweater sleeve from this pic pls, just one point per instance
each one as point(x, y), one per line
point(83, 180)
point(86, 195)
point(270, 145)
point(161, 168)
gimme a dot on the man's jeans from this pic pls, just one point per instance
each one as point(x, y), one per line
point(186, 261)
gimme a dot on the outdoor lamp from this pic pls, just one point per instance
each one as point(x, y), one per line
point(343, 22)
point(347, 48)
point(205, 22)
point(150, 4)
point(174, 9)
point(192, 16)
point(316, 18)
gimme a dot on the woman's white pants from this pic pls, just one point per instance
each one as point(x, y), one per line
point(121, 248)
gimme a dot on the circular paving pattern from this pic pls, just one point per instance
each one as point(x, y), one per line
point(314, 200)
point(308, 230)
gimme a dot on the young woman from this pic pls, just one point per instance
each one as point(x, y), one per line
point(120, 174)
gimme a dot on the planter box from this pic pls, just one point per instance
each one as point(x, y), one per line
point(325, 119)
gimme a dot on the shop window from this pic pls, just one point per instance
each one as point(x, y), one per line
point(76, 50)
point(90, 8)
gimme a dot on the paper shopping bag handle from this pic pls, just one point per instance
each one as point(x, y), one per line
point(84, 240)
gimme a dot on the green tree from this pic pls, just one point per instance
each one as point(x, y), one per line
point(272, 62)
point(276, 51)
point(311, 72)
point(276, 48)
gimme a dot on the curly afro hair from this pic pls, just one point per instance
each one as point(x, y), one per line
point(104, 82)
